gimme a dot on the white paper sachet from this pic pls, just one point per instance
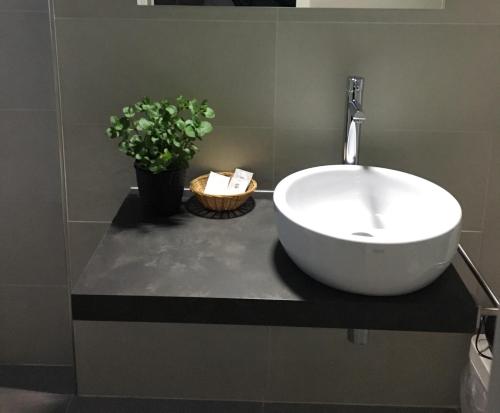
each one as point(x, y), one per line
point(239, 182)
point(217, 184)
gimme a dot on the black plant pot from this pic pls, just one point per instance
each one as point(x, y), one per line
point(161, 193)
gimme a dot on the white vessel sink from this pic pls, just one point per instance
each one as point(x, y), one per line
point(367, 230)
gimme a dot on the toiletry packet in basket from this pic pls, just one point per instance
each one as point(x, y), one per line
point(239, 182)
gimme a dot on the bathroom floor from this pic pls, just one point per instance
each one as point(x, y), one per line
point(32, 389)
point(27, 401)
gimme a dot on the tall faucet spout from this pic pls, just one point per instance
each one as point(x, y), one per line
point(355, 117)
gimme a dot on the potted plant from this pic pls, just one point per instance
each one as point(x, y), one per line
point(161, 137)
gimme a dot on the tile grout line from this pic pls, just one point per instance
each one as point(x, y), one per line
point(60, 133)
point(448, 131)
point(32, 285)
point(275, 99)
point(22, 11)
point(28, 110)
point(34, 365)
point(328, 129)
point(167, 19)
point(104, 125)
point(72, 221)
point(268, 367)
point(486, 193)
point(64, 187)
point(391, 23)
point(57, 87)
point(264, 20)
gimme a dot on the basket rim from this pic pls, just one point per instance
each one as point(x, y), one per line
point(252, 186)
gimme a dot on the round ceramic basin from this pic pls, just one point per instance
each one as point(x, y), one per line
point(367, 230)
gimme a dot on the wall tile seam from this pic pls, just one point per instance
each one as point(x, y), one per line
point(381, 129)
point(24, 11)
point(336, 129)
point(60, 139)
point(275, 103)
point(105, 125)
point(28, 110)
point(390, 23)
point(176, 19)
point(74, 221)
point(488, 183)
point(269, 366)
point(60, 133)
point(274, 20)
point(63, 186)
point(3, 364)
point(453, 131)
point(33, 285)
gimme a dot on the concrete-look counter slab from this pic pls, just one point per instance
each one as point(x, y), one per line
point(190, 269)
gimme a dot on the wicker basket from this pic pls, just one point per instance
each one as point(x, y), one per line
point(220, 202)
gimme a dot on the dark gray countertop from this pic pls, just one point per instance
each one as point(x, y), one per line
point(193, 269)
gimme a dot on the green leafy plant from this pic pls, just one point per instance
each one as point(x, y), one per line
point(161, 135)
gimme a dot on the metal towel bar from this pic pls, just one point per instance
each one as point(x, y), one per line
point(483, 284)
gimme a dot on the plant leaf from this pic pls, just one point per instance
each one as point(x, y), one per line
point(159, 134)
point(171, 109)
point(193, 106)
point(189, 131)
point(166, 156)
point(204, 128)
point(144, 124)
point(209, 113)
point(128, 112)
point(180, 124)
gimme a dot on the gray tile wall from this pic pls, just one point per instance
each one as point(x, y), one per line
point(34, 308)
point(275, 364)
point(490, 259)
point(277, 78)
point(277, 81)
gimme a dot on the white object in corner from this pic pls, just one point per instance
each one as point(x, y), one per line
point(481, 365)
point(373, 4)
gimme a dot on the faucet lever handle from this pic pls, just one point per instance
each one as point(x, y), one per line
point(359, 117)
point(355, 88)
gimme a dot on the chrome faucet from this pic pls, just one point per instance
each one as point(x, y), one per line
point(355, 118)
